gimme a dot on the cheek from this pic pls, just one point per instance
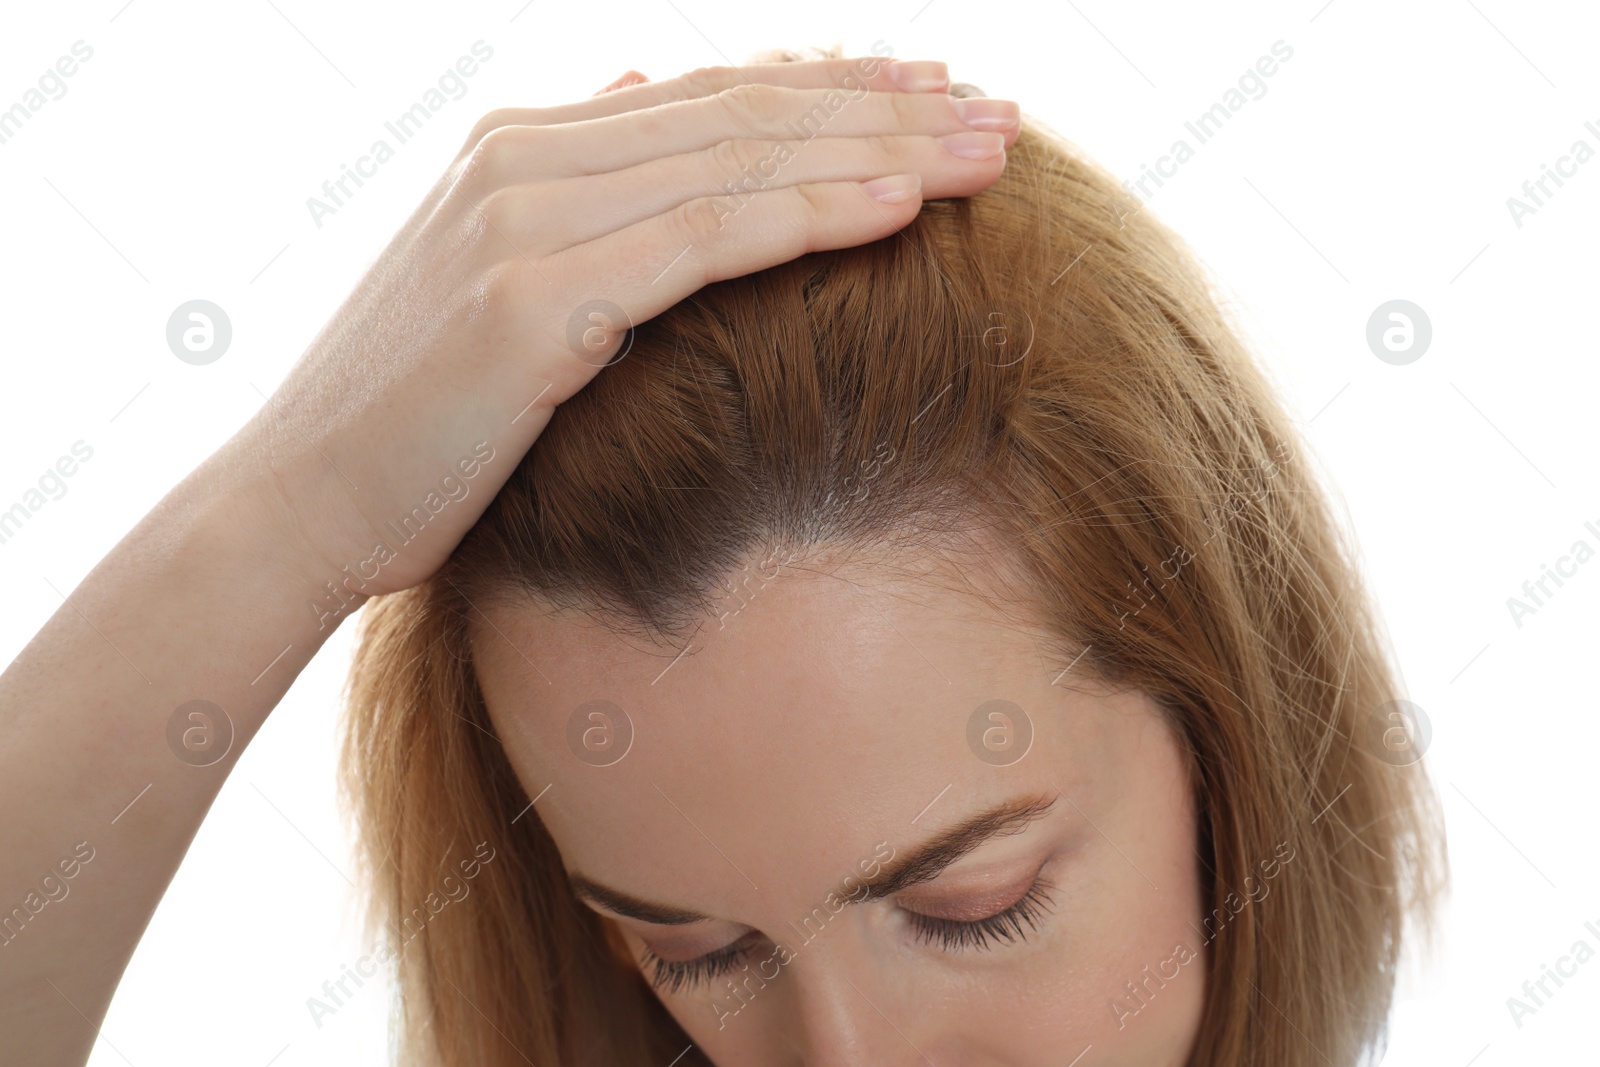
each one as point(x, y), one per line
point(1127, 971)
point(737, 1026)
point(1120, 972)
point(1132, 983)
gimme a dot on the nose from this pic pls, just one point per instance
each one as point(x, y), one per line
point(845, 1011)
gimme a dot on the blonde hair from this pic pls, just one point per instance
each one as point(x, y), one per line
point(1044, 360)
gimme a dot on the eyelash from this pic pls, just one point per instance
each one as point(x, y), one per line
point(673, 975)
point(951, 935)
point(955, 935)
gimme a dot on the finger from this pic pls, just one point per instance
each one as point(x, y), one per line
point(654, 264)
point(546, 217)
point(872, 72)
point(515, 154)
point(632, 77)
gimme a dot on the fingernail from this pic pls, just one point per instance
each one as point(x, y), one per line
point(919, 75)
point(975, 144)
point(982, 113)
point(895, 189)
point(630, 77)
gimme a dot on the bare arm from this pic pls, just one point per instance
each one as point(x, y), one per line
point(206, 599)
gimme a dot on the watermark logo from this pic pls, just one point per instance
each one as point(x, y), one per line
point(1399, 332)
point(1536, 192)
point(738, 589)
point(1538, 590)
point(400, 531)
point(1251, 85)
point(199, 332)
point(402, 929)
point(51, 486)
point(740, 990)
point(997, 339)
point(751, 180)
point(1143, 987)
point(1216, 520)
point(1566, 967)
point(52, 888)
point(402, 128)
point(199, 733)
point(1399, 732)
point(51, 86)
point(999, 732)
point(590, 330)
point(599, 733)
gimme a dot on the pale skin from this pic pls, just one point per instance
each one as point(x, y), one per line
point(802, 748)
point(458, 334)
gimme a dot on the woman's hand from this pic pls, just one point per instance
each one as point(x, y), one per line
point(553, 231)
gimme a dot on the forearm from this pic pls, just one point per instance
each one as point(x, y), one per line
point(208, 598)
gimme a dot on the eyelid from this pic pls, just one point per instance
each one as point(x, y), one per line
point(692, 951)
point(673, 954)
point(670, 975)
point(1006, 925)
point(690, 936)
point(972, 899)
point(968, 908)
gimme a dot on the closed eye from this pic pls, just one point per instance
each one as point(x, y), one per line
point(1007, 925)
point(670, 976)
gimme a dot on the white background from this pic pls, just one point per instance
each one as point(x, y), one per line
point(1376, 166)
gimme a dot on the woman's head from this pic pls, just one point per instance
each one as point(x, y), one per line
point(932, 649)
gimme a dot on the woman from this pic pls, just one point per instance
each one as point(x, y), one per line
point(929, 648)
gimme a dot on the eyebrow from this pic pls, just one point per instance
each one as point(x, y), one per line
point(923, 864)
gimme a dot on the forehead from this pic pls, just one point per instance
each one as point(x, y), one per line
point(815, 716)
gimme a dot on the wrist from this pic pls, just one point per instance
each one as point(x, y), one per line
point(266, 534)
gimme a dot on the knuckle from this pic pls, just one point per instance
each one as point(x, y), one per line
point(700, 222)
point(734, 156)
point(886, 148)
point(504, 293)
point(493, 120)
point(811, 203)
point(906, 108)
point(489, 161)
point(499, 141)
point(709, 81)
point(501, 117)
point(755, 105)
